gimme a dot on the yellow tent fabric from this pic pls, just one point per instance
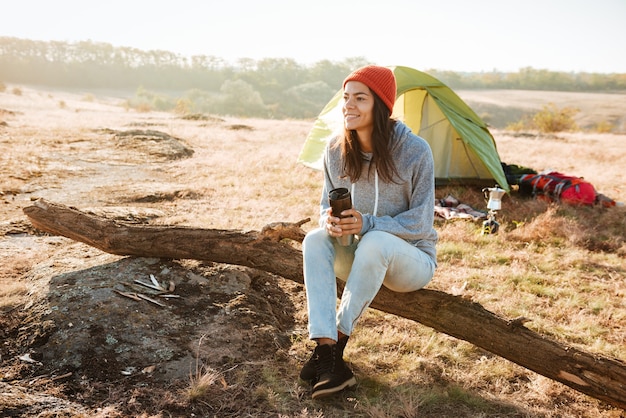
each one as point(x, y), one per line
point(463, 148)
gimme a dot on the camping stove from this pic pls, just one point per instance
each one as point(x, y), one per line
point(490, 226)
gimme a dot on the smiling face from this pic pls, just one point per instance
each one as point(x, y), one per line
point(358, 108)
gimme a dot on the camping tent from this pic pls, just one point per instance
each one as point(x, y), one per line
point(463, 148)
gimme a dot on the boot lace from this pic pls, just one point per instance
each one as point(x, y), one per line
point(326, 363)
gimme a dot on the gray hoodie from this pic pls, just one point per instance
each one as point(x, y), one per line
point(405, 209)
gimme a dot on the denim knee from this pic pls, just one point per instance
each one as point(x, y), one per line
point(374, 244)
point(406, 267)
point(314, 237)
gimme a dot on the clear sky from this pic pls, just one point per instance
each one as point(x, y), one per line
point(456, 35)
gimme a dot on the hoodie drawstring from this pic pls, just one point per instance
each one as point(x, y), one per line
point(375, 189)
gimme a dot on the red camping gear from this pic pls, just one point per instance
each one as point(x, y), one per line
point(558, 187)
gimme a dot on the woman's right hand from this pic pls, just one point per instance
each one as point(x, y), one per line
point(332, 222)
point(336, 227)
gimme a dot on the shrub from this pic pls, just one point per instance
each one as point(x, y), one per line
point(603, 127)
point(517, 126)
point(552, 119)
point(183, 106)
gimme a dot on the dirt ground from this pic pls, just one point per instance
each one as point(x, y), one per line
point(83, 332)
point(77, 326)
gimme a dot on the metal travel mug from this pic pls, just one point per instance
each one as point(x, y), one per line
point(341, 200)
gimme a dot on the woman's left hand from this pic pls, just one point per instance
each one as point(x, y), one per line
point(352, 222)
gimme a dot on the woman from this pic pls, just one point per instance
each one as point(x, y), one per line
point(389, 171)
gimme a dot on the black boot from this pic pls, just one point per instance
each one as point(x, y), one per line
point(309, 369)
point(333, 375)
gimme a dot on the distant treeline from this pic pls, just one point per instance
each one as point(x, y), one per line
point(271, 87)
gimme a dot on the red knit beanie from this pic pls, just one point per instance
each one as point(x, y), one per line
point(379, 79)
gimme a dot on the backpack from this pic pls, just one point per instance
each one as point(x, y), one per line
point(558, 187)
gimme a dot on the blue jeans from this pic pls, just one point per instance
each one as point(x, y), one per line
point(376, 259)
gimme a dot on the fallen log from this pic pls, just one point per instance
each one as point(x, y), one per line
point(598, 376)
point(262, 251)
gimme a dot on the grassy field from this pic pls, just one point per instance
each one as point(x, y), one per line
point(561, 267)
point(503, 107)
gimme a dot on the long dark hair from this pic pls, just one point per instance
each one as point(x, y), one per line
point(381, 142)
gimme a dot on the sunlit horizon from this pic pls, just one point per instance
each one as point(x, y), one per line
point(450, 35)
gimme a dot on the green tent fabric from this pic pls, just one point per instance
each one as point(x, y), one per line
point(463, 148)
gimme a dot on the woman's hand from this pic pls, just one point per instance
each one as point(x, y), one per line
point(350, 223)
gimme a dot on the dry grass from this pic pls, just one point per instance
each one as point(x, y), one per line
point(202, 383)
point(561, 267)
point(595, 109)
point(14, 293)
point(598, 158)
